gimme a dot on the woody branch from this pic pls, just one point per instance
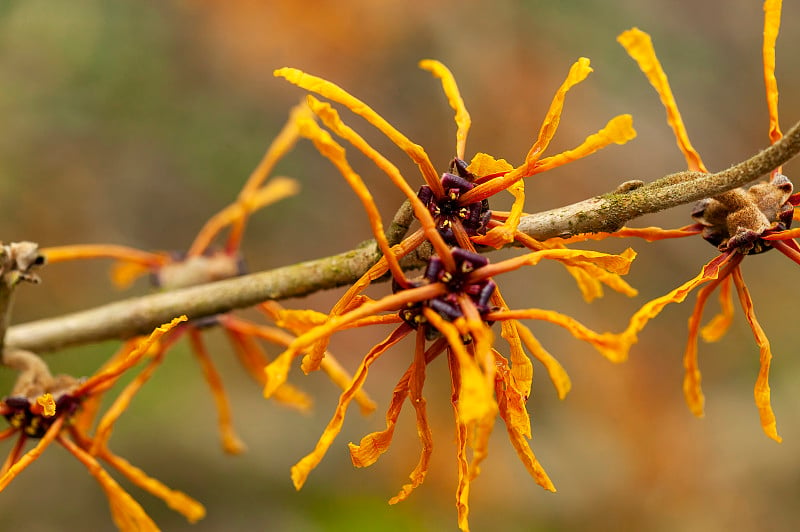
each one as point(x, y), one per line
point(608, 212)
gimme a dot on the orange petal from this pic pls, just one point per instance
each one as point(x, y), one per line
point(521, 367)
point(231, 443)
point(331, 119)
point(719, 324)
point(336, 155)
point(236, 213)
point(505, 233)
point(653, 308)
point(476, 400)
point(303, 468)
point(609, 345)
point(558, 375)
point(772, 24)
point(192, 510)
point(761, 391)
point(334, 92)
point(28, 458)
point(128, 515)
point(483, 164)
point(105, 377)
point(416, 382)
point(278, 369)
point(453, 95)
point(618, 130)
point(640, 47)
point(456, 394)
point(517, 436)
point(577, 73)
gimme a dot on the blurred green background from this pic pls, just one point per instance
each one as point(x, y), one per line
point(132, 122)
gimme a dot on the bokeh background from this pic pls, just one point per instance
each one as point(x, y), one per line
point(132, 122)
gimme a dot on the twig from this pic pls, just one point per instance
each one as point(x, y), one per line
point(609, 212)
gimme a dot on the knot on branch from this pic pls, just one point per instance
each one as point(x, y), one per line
point(17, 261)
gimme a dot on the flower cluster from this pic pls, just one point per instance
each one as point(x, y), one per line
point(738, 223)
point(451, 307)
point(62, 408)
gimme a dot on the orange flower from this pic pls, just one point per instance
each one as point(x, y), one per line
point(452, 306)
point(51, 409)
point(203, 264)
point(739, 222)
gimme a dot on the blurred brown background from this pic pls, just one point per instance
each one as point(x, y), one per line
point(131, 122)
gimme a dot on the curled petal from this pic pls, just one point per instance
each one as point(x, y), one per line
point(456, 395)
point(336, 154)
point(231, 443)
point(577, 73)
point(417, 380)
point(483, 164)
point(507, 405)
point(331, 119)
point(277, 371)
point(719, 324)
point(128, 515)
point(558, 375)
point(236, 214)
point(639, 46)
point(334, 92)
point(505, 233)
point(608, 344)
point(761, 391)
point(105, 378)
point(651, 309)
point(303, 468)
point(28, 458)
point(476, 400)
point(453, 95)
point(618, 130)
point(772, 24)
point(521, 367)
